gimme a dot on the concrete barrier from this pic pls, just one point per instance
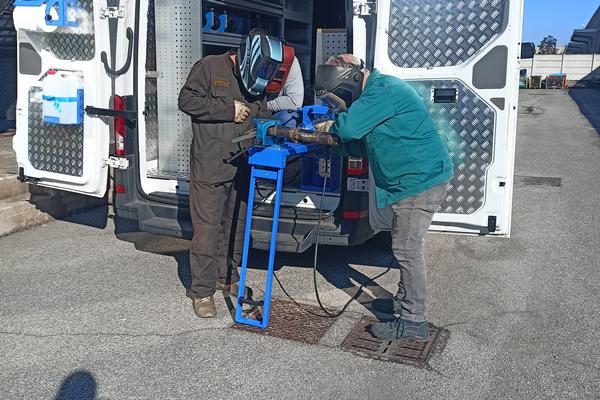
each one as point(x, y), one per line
point(23, 206)
point(577, 67)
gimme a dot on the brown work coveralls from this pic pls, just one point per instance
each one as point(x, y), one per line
point(218, 191)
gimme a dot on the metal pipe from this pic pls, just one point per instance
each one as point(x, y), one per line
point(300, 135)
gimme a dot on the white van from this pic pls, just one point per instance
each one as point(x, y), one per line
point(130, 59)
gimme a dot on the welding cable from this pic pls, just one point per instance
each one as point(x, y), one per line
point(317, 244)
point(328, 313)
point(316, 258)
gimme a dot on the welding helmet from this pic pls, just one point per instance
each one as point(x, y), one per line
point(259, 57)
point(338, 84)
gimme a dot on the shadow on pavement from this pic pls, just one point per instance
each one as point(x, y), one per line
point(336, 264)
point(80, 385)
point(96, 217)
point(588, 100)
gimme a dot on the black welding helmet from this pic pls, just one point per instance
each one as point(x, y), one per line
point(259, 57)
point(339, 86)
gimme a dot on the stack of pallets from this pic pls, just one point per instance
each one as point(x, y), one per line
point(535, 82)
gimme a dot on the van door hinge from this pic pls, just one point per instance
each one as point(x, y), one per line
point(112, 12)
point(116, 162)
point(364, 8)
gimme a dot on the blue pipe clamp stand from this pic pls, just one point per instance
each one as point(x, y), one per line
point(268, 161)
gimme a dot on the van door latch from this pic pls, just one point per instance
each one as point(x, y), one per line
point(116, 163)
point(112, 12)
point(364, 8)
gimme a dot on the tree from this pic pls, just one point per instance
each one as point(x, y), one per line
point(548, 45)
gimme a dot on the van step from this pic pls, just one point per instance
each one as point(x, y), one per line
point(167, 227)
point(286, 242)
point(294, 226)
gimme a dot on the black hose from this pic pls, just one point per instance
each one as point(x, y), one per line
point(328, 313)
point(316, 258)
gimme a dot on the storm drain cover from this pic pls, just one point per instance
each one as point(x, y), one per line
point(302, 323)
point(360, 341)
point(538, 181)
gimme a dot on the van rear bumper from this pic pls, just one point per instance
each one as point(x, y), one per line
point(169, 220)
point(171, 217)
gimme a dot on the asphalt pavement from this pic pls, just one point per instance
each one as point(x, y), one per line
point(93, 313)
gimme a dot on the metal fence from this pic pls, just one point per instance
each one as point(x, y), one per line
point(577, 67)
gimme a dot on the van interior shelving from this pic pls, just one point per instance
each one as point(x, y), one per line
point(167, 154)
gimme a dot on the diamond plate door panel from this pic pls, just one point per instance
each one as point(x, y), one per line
point(442, 33)
point(151, 119)
point(151, 39)
point(53, 148)
point(467, 128)
point(71, 43)
point(151, 96)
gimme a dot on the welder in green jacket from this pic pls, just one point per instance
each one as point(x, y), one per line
point(382, 118)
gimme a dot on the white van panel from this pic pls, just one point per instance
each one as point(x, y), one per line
point(471, 48)
point(66, 157)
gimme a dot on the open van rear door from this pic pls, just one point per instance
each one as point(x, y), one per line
point(462, 58)
point(60, 73)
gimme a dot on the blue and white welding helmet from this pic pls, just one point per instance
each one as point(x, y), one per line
point(259, 57)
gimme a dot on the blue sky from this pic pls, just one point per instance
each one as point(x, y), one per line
point(556, 17)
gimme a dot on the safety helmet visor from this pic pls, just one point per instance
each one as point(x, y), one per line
point(259, 60)
point(338, 86)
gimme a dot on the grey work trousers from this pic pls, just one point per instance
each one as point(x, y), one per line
point(218, 212)
point(412, 219)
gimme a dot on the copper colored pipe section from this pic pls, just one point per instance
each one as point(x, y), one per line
point(300, 135)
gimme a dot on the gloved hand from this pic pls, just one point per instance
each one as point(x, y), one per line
point(241, 112)
point(324, 126)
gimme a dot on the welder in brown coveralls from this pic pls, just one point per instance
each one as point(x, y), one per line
point(223, 94)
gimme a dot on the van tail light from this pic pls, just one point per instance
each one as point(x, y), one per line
point(355, 215)
point(119, 105)
point(357, 166)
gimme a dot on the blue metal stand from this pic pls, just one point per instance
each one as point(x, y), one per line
point(267, 163)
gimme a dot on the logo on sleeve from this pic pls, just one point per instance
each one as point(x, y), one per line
point(219, 82)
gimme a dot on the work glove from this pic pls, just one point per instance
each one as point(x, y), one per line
point(241, 112)
point(324, 126)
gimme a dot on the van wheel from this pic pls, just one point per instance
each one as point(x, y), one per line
point(383, 240)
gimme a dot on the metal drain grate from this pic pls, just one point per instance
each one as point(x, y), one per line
point(288, 321)
point(538, 181)
point(406, 352)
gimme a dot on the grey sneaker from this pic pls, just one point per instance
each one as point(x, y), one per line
point(400, 329)
point(205, 307)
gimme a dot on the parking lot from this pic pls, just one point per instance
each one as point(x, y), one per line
point(101, 312)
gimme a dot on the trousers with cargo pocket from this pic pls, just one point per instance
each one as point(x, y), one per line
point(218, 212)
point(218, 189)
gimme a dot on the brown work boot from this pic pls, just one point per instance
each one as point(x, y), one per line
point(205, 307)
point(232, 289)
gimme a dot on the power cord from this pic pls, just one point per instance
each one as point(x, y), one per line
point(328, 313)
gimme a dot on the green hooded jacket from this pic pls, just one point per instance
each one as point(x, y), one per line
point(390, 125)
